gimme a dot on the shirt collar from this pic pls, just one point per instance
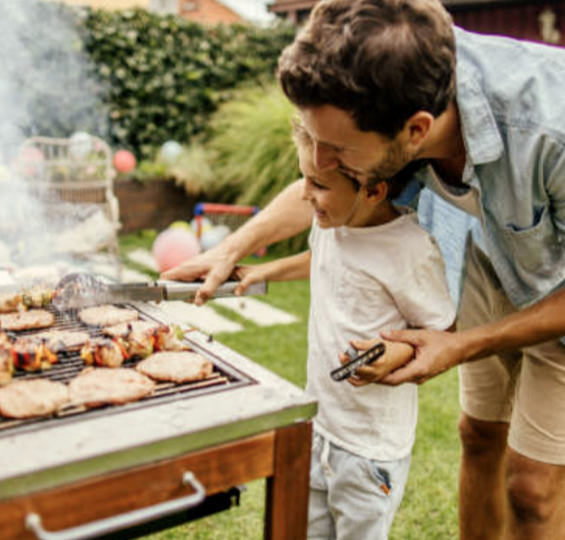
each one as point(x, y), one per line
point(479, 129)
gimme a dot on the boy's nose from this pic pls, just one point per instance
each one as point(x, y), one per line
point(324, 157)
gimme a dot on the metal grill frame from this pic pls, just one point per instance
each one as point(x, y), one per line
point(225, 377)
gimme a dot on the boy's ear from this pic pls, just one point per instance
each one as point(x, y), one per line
point(377, 193)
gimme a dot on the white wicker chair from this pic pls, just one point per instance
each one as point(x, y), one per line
point(74, 170)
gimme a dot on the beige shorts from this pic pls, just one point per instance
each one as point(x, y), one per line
point(526, 387)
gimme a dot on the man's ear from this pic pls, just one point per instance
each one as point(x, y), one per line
point(417, 128)
point(377, 193)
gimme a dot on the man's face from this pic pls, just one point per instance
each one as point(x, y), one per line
point(339, 144)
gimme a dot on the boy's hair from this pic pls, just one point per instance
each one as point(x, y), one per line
point(379, 60)
point(396, 185)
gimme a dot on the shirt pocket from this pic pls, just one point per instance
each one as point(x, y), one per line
point(536, 249)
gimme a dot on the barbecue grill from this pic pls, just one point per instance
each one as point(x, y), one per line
point(89, 473)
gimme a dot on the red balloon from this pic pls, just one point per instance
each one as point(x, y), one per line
point(174, 246)
point(124, 161)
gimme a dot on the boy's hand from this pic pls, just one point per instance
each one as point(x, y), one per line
point(249, 274)
point(396, 355)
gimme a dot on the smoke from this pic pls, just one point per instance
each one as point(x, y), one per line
point(47, 82)
point(48, 88)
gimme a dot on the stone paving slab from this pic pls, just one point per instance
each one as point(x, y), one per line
point(204, 317)
point(261, 313)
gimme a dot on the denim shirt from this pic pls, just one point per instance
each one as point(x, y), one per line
point(511, 100)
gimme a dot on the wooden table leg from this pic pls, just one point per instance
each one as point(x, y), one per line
point(286, 512)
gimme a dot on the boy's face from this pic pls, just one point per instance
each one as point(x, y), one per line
point(332, 196)
point(339, 144)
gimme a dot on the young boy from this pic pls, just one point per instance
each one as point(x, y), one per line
point(371, 268)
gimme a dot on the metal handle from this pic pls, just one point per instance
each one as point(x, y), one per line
point(178, 290)
point(122, 521)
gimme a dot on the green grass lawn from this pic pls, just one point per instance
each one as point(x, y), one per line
point(429, 509)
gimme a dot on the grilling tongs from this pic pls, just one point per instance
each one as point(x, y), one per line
point(81, 290)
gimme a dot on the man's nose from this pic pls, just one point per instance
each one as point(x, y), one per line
point(324, 157)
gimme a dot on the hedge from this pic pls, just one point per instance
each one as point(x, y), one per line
point(166, 75)
point(133, 77)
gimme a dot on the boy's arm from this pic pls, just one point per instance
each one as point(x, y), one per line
point(285, 216)
point(397, 355)
point(285, 269)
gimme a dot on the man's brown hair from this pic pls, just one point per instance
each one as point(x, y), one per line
point(379, 60)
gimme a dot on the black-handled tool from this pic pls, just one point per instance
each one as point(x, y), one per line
point(357, 360)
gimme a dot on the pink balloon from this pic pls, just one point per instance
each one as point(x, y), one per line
point(174, 246)
point(29, 162)
point(124, 161)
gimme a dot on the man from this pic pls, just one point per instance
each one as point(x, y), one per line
point(381, 92)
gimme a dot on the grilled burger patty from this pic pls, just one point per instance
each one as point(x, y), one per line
point(107, 315)
point(175, 366)
point(38, 397)
point(124, 329)
point(95, 387)
point(26, 320)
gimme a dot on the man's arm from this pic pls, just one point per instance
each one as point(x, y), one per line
point(437, 352)
point(285, 216)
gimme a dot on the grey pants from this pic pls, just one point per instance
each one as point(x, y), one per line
point(351, 497)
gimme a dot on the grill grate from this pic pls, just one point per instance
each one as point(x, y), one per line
point(70, 364)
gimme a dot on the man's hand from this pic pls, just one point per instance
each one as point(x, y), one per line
point(213, 266)
point(396, 355)
point(436, 352)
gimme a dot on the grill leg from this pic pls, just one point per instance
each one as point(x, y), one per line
point(286, 512)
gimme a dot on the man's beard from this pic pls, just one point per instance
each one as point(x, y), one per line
point(395, 161)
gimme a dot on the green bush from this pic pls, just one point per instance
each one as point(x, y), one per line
point(166, 75)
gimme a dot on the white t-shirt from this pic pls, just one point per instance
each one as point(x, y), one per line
point(364, 280)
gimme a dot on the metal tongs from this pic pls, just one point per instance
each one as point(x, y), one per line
point(80, 290)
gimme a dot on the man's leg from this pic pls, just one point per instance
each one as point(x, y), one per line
point(536, 493)
point(482, 491)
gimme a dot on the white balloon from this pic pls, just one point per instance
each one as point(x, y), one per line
point(170, 151)
point(81, 145)
point(205, 224)
point(214, 236)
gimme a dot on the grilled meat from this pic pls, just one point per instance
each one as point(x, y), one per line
point(37, 297)
point(10, 302)
point(62, 340)
point(26, 320)
point(6, 365)
point(107, 315)
point(38, 397)
point(98, 387)
point(169, 338)
point(104, 352)
point(178, 367)
point(124, 329)
point(142, 338)
point(31, 354)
